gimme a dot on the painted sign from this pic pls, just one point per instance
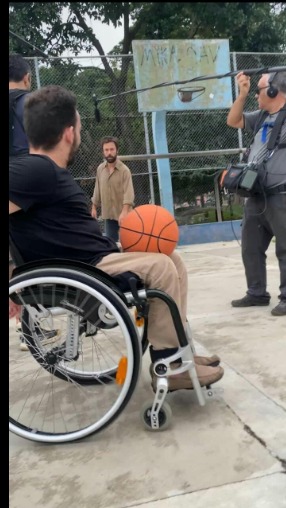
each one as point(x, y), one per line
point(163, 61)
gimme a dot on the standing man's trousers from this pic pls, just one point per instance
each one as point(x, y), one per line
point(263, 219)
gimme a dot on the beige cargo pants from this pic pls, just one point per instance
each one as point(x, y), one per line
point(157, 271)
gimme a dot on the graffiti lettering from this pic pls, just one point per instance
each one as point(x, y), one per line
point(163, 56)
point(147, 54)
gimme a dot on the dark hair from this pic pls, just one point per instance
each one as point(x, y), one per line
point(47, 112)
point(18, 68)
point(279, 81)
point(109, 139)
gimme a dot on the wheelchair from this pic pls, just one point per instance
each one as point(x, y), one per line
point(79, 381)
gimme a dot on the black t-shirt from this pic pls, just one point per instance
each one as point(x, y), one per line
point(54, 220)
point(20, 140)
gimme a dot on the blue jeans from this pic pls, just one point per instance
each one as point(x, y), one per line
point(111, 229)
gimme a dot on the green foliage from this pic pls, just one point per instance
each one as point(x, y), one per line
point(55, 27)
point(199, 215)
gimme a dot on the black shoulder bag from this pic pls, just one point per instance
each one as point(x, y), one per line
point(244, 178)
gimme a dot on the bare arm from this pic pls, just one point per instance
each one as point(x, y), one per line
point(235, 115)
point(13, 208)
point(93, 211)
point(125, 211)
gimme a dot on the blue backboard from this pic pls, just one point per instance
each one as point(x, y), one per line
point(170, 60)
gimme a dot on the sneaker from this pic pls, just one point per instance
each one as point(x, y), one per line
point(23, 346)
point(251, 301)
point(280, 309)
point(208, 361)
point(206, 375)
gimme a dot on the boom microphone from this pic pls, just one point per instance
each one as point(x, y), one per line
point(96, 110)
point(250, 72)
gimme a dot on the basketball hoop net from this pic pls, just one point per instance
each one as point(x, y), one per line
point(186, 93)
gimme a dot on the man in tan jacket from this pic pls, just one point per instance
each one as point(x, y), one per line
point(113, 189)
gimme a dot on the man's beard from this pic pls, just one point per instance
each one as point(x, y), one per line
point(73, 153)
point(111, 158)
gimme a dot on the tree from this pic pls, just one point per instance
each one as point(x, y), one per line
point(58, 26)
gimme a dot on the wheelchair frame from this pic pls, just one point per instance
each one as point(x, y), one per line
point(77, 291)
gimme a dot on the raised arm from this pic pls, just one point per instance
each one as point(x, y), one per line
point(235, 115)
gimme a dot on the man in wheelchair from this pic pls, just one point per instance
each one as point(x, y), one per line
point(49, 218)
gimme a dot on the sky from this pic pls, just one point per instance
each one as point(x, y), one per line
point(106, 34)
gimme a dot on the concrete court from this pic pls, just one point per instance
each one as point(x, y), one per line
point(231, 453)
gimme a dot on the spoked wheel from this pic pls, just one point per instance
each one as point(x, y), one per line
point(96, 357)
point(95, 361)
point(51, 398)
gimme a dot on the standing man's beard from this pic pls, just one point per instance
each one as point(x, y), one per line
point(110, 158)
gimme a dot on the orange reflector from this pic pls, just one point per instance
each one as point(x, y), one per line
point(138, 321)
point(121, 371)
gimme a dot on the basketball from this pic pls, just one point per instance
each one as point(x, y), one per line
point(149, 228)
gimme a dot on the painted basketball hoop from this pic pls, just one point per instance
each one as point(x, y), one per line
point(186, 93)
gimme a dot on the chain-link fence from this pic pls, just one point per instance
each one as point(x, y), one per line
point(190, 131)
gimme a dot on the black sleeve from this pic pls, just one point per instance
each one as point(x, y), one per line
point(32, 180)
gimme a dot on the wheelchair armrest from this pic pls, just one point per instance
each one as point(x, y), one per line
point(122, 281)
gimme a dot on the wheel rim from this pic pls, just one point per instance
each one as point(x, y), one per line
point(161, 417)
point(78, 412)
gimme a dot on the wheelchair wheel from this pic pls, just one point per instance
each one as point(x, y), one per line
point(47, 401)
point(164, 417)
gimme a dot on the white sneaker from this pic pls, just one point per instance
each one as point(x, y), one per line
point(23, 346)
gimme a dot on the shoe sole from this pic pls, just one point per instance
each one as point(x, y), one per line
point(251, 305)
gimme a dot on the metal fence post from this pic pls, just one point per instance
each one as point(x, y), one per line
point(38, 81)
point(149, 164)
point(217, 198)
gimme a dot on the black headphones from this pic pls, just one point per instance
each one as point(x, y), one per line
point(272, 91)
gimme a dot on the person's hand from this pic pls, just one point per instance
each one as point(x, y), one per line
point(121, 216)
point(243, 82)
point(93, 212)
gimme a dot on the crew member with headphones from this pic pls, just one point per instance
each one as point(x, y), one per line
point(265, 214)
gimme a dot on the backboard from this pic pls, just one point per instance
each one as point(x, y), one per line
point(159, 61)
